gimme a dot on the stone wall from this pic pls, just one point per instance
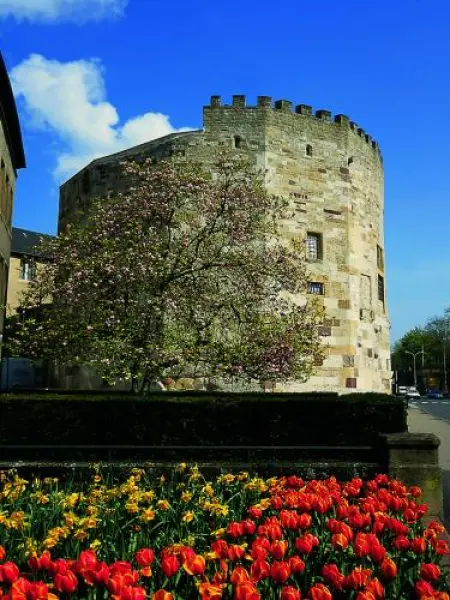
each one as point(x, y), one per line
point(331, 171)
point(8, 178)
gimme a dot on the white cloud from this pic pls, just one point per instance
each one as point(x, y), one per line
point(69, 99)
point(62, 10)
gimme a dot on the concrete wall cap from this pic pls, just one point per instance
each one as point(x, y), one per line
point(410, 440)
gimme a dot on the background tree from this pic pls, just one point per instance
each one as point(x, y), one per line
point(183, 274)
point(434, 340)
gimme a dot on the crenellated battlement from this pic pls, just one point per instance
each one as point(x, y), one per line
point(303, 110)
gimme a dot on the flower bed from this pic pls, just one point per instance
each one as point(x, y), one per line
point(239, 537)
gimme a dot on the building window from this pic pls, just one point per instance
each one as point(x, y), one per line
point(315, 287)
point(309, 150)
point(313, 246)
point(381, 288)
point(380, 258)
point(237, 141)
point(349, 160)
point(27, 270)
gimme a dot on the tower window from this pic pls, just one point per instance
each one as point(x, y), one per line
point(237, 141)
point(380, 258)
point(349, 160)
point(314, 246)
point(381, 288)
point(315, 287)
point(309, 150)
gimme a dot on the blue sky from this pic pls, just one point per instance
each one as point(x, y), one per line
point(94, 76)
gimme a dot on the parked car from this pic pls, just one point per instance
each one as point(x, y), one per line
point(412, 393)
point(435, 394)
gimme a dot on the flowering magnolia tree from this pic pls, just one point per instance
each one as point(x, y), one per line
point(184, 273)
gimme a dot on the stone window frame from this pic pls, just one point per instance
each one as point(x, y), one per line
point(309, 151)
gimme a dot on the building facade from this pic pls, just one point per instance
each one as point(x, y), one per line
point(12, 158)
point(331, 171)
point(24, 263)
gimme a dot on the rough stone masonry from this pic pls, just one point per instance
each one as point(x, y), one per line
point(332, 173)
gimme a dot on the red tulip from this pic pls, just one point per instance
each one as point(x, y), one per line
point(235, 529)
point(389, 568)
point(278, 549)
point(86, 560)
point(430, 571)
point(66, 582)
point(338, 540)
point(39, 591)
point(304, 521)
point(280, 571)
point(377, 553)
point(254, 512)
point(144, 557)
point(170, 565)
point(258, 552)
point(20, 588)
point(131, 593)
point(441, 547)
point(306, 543)
point(235, 552)
point(423, 588)
point(333, 576)
point(9, 572)
point(249, 526)
point(401, 543)
point(296, 564)
point(2, 554)
point(98, 575)
point(374, 586)
point(260, 569)
point(357, 579)
point(239, 575)
point(290, 593)
point(419, 545)
point(162, 595)
point(220, 547)
point(320, 592)
point(246, 591)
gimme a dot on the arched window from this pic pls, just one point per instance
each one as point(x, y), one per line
point(309, 150)
point(237, 141)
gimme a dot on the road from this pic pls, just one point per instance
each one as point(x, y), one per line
point(437, 408)
point(433, 416)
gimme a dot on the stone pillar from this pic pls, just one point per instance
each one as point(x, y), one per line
point(414, 459)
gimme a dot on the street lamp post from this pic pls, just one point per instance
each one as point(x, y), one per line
point(414, 354)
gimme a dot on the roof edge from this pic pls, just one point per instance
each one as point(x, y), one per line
point(10, 119)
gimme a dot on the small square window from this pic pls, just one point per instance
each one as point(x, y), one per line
point(27, 270)
point(314, 246)
point(315, 287)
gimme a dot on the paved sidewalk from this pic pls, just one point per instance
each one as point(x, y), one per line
point(422, 422)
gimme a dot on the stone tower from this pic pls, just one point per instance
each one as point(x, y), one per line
point(332, 173)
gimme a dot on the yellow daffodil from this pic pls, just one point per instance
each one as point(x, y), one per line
point(163, 504)
point(187, 517)
point(148, 515)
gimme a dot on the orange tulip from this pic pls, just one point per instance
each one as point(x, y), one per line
point(195, 565)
